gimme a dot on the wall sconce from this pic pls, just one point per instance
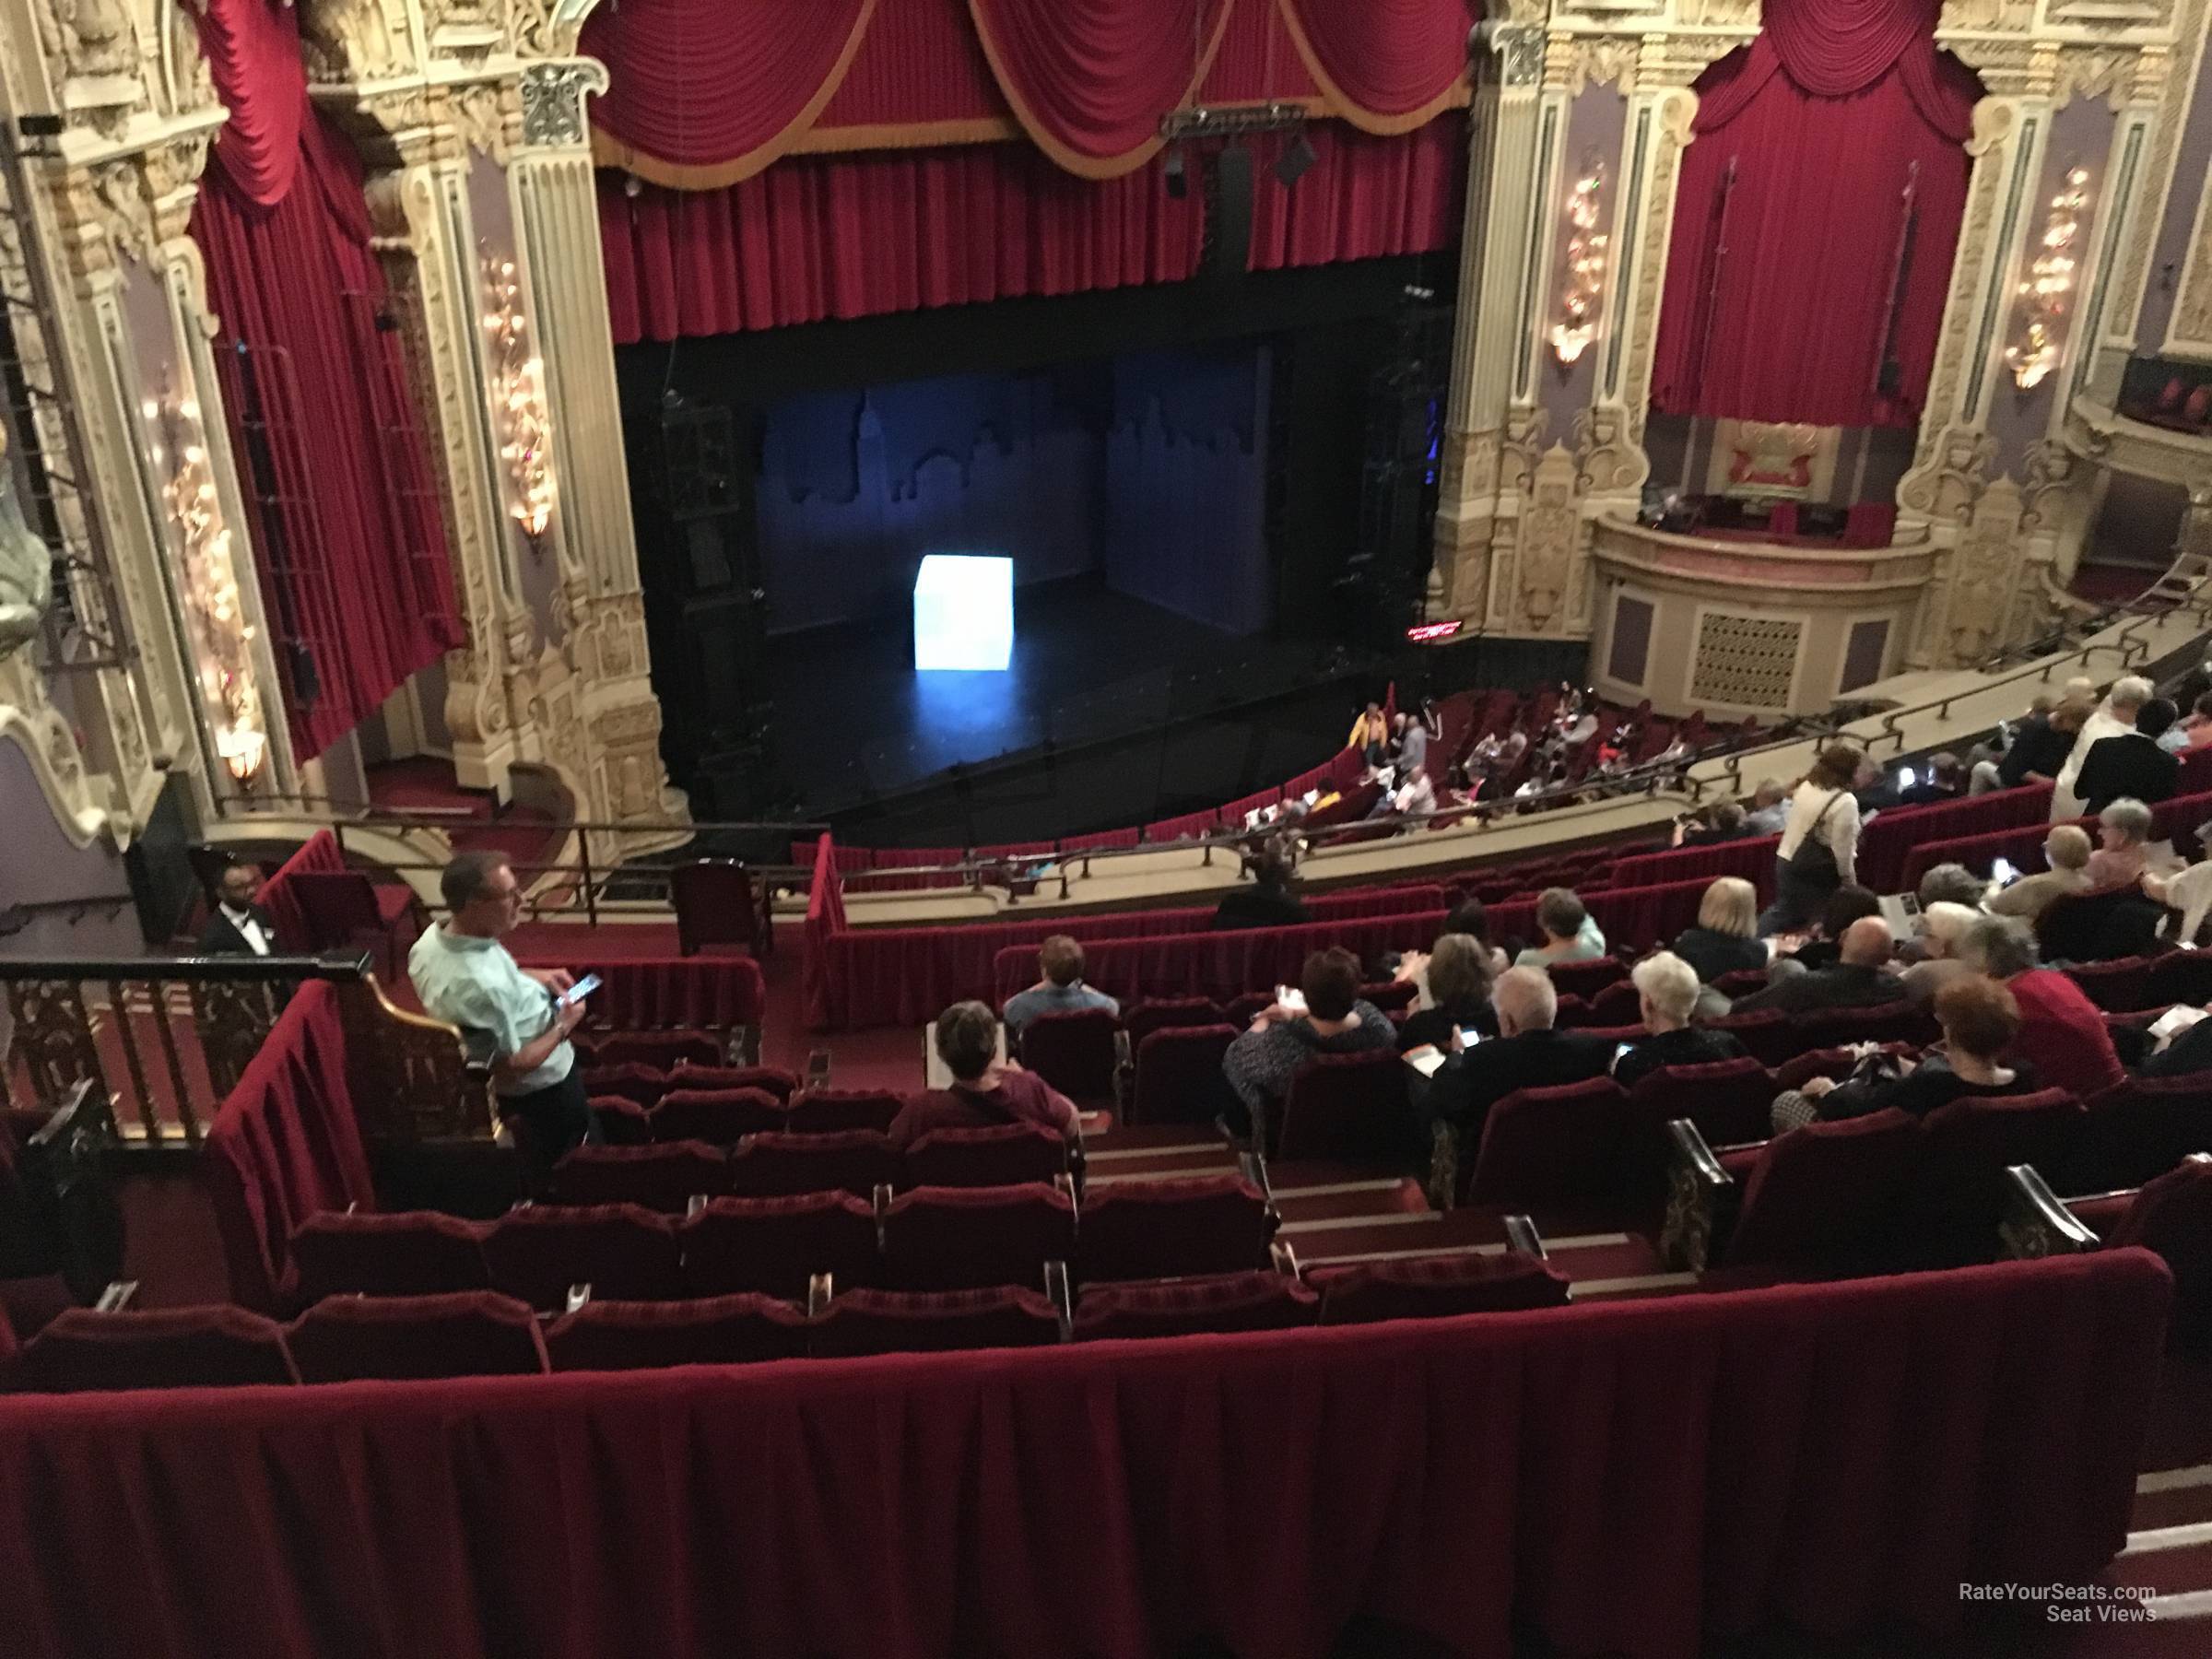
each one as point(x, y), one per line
point(1582, 298)
point(221, 638)
point(518, 397)
point(2046, 293)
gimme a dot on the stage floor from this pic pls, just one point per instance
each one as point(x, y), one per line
point(854, 722)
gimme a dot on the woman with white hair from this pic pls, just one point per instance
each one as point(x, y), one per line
point(1725, 939)
point(2067, 850)
point(1666, 989)
point(2122, 835)
point(1943, 928)
point(2113, 718)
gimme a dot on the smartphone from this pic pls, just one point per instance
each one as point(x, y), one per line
point(580, 989)
point(1290, 997)
point(2001, 870)
point(1469, 1036)
point(1620, 1049)
point(1906, 777)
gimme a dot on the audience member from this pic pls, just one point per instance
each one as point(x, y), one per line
point(2132, 765)
point(1469, 917)
point(2123, 834)
point(1820, 947)
point(2037, 751)
point(1413, 744)
point(1874, 789)
point(2188, 891)
point(1943, 779)
point(2189, 1053)
point(1267, 902)
point(1456, 991)
point(1261, 1062)
point(1526, 1053)
point(1061, 989)
point(1667, 991)
point(1861, 978)
point(987, 1091)
point(1770, 809)
point(1950, 884)
point(240, 926)
point(2067, 850)
point(1709, 826)
point(1370, 733)
point(2062, 1035)
point(1725, 939)
point(1981, 1020)
point(2198, 728)
point(1942, 927)
point(1819, 847)
point(1571, 934)
point(2113, 718)
point(465, 977)
point(1416, 795)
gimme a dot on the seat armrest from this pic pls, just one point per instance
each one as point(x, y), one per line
point(1285, 1259)
point(821, 1289)
point(1523, 1239)
point(817, 1068)
point(2035, 1223)
point(579, 1294)
point(1062, 1298)
point(1701, 1201)
point(1442, 1185)
point(117, 1296)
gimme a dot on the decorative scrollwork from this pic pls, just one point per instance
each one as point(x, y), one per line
point(53, 1036)
point(232, 1019)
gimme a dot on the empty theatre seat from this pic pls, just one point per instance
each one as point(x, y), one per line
point(995, 1154)
point(1826, 1193)
point(2181, 976)
point(774, 1079)
point(896, 1322)
point(82, 1348)
point(665, 1175)
point(829, 1110)
point(1164, 1228)
point(1730, 1100)
point(851, 1160)
point(632, 1080)
point(408, 1252)
point(2140, 1128)
point(2117, 987)
point(624, 1252)
point(1350, 1109)
point(720, 1330)
point(1179, 1078)
point(1885, 1022)
point(1436, 1288)
point(958, 1238)
point(662, 1050)
point(1167, 1014)
point(1767, 1035)
point(1260, 1299)
point(1959, 1183)
point(463, 1334)
point(1075, 1052)
point(621, 1122)
point(1586, 980)
point(2172, 1215)
point(777, 1245)
point(1562, 1144)
point(720, 1117)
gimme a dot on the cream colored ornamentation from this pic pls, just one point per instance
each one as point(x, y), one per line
point(343, 42)
point(548, 28)
point(1606, 457)
point(2124, 298)
point(1963, 456)
point(1745, 662)
point(1520, 445)
point(488, 114)
point(25, 566)
point(1519, 50)
point(2049, 476)
point(1547, 540)
point(1598, 60)
point(553, 96)
point(1978, 17)
point(1676, 109)
point(1985, 576)
point(2192, 323)
point(2102, 72)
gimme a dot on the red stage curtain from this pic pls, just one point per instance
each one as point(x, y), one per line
point(704, 95)
point(1779, 289)
point(1649, 1478)
point(865, 233)
point(252, 49)
point(1386, 65)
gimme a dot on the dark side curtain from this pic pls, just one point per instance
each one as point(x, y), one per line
point(1783, 292)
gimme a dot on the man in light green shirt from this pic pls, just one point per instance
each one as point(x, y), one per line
point(464, 976)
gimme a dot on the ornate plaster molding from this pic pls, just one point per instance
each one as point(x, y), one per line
point(552, 103)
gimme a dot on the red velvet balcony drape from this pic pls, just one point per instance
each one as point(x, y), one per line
point(348, 541)
point(1386, 65)
point(1782, 277)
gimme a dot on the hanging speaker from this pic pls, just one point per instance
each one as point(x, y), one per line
point(1227, 248)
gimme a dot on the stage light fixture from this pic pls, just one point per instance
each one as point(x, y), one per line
point(2046, 294)
point(963, 613)
point(1292, 164)
point(1179, 180)
point(1581, 297)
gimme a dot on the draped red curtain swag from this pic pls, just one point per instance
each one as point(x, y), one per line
point(1816, 219)
point(349, 542)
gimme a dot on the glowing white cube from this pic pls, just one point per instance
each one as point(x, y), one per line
point(964, 612)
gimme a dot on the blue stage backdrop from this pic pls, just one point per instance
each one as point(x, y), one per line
point(1150, 469)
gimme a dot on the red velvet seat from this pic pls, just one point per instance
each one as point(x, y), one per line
point(2172, 1215)
point(960, 1238)
point(624, 1252)
point(1561, 1144)
point(829, 1110)
point(406, 1253)
point(2140, 1129)
point(463, 1333)
point(721, 1330)
point(1826, 1192)
point(665, 1176)
point(623, 1122)
point(1766, 1033)
point(720, 1117)
point(1241, 1010)
point(82, 1349)
point(2117, 987)
point(1835, 1063)
point(1392, 996)
point(345, 908)
point(1586, 980)
point(662, 1050)
point(1884, 1023)
point(1076, 1053)
point(1167, 1228)
point(851, 1160)
point(1348, 1109)
point(898, 1322)
point(1436, 1288)
point(996, 1155)
point(1730, 1100)
point(718, 904)
point(633, 1079)
point(1617, 1004)
point(776, 1245)
point(1179, 1078)
point(1259, 1300)
point(2181, 976)
point(1166, 1014)
point(1959, 1183)
point(710, 1075)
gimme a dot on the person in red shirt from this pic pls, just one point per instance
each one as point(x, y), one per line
point(2061, 1034)
point(985, 1090)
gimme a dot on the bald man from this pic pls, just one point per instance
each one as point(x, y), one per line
point(1860, 979)
point(1526, 1053)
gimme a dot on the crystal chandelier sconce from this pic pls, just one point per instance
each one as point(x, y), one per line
point(1582, 296)
point(518, 399)
point(221, 637)
point(2046, 294)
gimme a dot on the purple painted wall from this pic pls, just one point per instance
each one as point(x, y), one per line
point(2169, 254)
point(1597, 120)
point(2138, 523)
point(43, 864)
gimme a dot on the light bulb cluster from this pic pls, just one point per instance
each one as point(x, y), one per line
point(222, 638)
point(518, 396)
point(1582, 298)
point(2046, 293)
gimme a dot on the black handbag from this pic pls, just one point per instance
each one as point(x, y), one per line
point(1814, 863)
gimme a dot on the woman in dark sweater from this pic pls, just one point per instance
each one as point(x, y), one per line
point(1726, 938)
point(1980, 1020)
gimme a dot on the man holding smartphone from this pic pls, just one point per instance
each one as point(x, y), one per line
point(464, 976)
